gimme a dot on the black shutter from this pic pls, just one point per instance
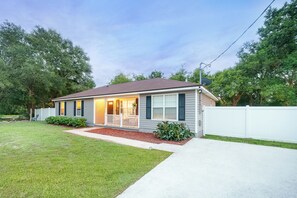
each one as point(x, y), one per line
point(74, 108)
point(181, 107)
point(82, 108)
point(65, 108)
point(59, 108)
point(148, 107)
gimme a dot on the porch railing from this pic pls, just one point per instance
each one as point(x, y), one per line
point(128, 121)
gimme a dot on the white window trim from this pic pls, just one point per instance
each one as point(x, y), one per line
point(163, 96)
point(76, 108)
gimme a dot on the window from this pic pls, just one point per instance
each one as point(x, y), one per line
point(158, 107)
point(128, 106)
point(170, 107)
point(62, 108)
point(78, 108)
point(164, 107)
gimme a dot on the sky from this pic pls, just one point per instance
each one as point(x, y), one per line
point(139, 36)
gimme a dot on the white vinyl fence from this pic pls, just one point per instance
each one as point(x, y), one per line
point(267, 123)
point(43, 113)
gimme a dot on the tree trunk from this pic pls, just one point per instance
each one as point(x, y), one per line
point(236, 99)
point(31, 104)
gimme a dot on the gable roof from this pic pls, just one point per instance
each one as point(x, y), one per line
point(131, 87)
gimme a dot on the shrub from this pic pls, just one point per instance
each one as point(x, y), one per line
point(67, 121)
point(173, 131)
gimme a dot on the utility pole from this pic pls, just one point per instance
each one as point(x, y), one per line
point(200, 70)
point(200, 119)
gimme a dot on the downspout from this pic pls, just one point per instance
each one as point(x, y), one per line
point(200, 130)
point(196, 113)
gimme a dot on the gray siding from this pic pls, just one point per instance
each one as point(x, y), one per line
point(57, 108)
point(69, 109)
point(148, 125)
point(88, 110)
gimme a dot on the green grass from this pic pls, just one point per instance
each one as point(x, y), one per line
point(253, 141)
point(40, 160)
point(9, 116)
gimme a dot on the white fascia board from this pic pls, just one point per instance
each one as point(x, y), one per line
point(209, 94)
point(133, 93)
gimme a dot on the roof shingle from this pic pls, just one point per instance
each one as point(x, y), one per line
point(135, 86)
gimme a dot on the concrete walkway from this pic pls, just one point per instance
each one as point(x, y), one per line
point(125, 141)
point(209, 168)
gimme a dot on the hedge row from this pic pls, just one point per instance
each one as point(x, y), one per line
point(67, 121)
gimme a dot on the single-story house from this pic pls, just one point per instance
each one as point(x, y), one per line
point(139, 105)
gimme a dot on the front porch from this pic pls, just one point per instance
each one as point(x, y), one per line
point(117, 112)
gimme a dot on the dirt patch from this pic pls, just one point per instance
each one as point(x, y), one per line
point(141, 136)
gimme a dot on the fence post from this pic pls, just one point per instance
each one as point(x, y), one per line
point(247, 109)
point(41, 110)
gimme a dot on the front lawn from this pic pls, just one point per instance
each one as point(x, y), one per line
point(40, 160)
point(253, 141)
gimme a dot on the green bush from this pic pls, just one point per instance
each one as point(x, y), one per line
point(173, 131)
point(67, 121)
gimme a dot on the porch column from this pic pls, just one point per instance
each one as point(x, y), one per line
point(121, 119)
point(105, 112)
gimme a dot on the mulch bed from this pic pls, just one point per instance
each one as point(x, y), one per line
point(141, 136)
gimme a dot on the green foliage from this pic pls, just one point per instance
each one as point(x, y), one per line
point(37, 67)
point(195, 76)
point(12, 117)
point(139, 77)
point(230, 85)
point(173, 131)
point(156, 74)
point(67, 121)
point(266, 73)
point(180, 75)
point(120, 78)
point(252, 141)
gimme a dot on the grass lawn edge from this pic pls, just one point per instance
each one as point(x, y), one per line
point(287, 145)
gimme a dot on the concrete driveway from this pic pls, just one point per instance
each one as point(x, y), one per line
point(209, 168)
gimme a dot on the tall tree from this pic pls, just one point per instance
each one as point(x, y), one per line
point(230, 85)
point(68, 64)
point(38, 67)
point(271, 63)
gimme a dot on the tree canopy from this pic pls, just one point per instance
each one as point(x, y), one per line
point(120, 78)
point(156, 74)
point(38, 66)
point(180, 75)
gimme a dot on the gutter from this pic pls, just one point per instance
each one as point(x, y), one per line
point(142, 92)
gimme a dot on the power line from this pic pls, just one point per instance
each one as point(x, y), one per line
point(241, 34)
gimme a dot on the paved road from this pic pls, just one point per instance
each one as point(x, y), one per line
point(208, 168)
